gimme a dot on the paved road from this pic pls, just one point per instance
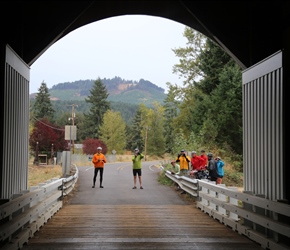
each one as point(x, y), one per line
point(118, 183)
point(119, 217)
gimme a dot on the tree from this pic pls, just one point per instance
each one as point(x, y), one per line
point(188, 66)
point(98, 107)
point(90, 146)
point(170, 113)
point(211, 99)
point(45, 134)
point(229, 97)
point(135, 139)
point(113, 131)
point(156, 140)
point(42, 107)
point(62, 119)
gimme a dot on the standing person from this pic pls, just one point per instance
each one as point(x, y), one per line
point(99, 161)
point(183, 161)
point(137, 167)
point(211, 167)
point(220, 169)
point(203, 158)
point(195, 163)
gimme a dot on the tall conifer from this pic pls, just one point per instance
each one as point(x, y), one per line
point(42, 107)
point(98, 107)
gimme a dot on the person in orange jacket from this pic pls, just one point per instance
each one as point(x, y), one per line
point(99, 161)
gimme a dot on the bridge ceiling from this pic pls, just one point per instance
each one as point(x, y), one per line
point(248, 30)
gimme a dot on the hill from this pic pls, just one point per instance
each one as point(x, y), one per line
point(120, 90)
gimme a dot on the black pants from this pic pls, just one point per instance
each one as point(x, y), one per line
point(96, 174)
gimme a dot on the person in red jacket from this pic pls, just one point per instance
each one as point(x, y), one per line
point(99, 161)
point(203, 158)
point(195, 163)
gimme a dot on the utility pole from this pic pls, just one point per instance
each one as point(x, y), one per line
point(73, 123)
point(146, 139)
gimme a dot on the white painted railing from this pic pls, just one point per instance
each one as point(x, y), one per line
point(263, 221)
point(21, 217)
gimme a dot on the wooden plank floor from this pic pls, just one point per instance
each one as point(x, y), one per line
point(157, 218)
point(136, 227)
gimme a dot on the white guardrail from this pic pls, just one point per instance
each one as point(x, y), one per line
point(263, 221)
point(21, 217)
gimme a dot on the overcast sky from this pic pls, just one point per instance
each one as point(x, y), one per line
point(132, 47)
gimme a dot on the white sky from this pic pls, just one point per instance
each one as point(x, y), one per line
point(132, 47)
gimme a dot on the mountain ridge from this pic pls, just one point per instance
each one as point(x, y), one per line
point(120, 90)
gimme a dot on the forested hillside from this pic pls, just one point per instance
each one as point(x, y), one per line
point(120, 90)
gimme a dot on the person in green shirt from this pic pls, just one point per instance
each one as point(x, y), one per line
point(137, 167)
point(176, 168)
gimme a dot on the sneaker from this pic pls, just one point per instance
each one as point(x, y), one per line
point(141, 187)
point(134, 187)
point(101, 187)
point(93, 186)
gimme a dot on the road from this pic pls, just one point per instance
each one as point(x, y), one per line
point(119, 217)
point(118, 184)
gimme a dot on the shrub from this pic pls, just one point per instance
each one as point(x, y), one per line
point(90, 146)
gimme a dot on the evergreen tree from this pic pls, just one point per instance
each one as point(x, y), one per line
point(212, 60)
point(135, 138)
point(219, 107)
point(42, 107)
point(211, 99)
point(170, 113)
point(113, 131)
point(229, 97)
point(98, 107)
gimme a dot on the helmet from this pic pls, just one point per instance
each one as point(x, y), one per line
point(99, 148)
point(136, 149)
point(210, 155)
point(193, 152)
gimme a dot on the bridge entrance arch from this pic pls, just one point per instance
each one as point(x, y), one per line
point(244, 34)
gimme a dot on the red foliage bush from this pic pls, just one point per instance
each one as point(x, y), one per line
point(90, 146)
point(45, 134)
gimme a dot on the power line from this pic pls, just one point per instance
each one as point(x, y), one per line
point(61, 129)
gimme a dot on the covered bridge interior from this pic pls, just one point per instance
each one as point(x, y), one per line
point(250, 31)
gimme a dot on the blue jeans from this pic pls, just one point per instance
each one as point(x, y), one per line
point(184, 172)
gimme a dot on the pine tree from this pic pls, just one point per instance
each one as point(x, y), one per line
point(211, 99)
point(98, 107)
point(135, 138)
point(42, 107)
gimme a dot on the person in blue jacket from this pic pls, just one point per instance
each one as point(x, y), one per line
point(220, 169)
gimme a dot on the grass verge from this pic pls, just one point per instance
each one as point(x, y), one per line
point(42, 173)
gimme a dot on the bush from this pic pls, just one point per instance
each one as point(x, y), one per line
point(90, 146)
